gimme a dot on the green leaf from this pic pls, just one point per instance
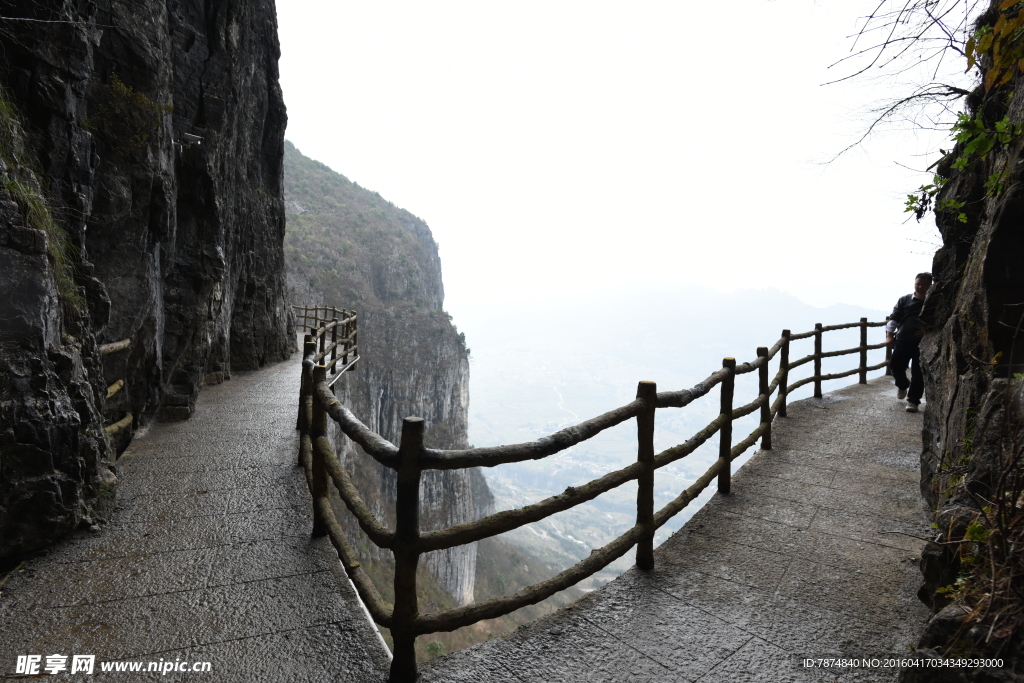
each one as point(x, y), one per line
point(976, 531)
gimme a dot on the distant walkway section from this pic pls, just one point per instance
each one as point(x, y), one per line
point(209, 559)
point(800, 561)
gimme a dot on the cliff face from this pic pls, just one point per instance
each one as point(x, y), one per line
point(176, 247)
point(972, 349)
point(348, 247)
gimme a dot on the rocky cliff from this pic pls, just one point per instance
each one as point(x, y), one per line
point(973, 357)
point(348, 247)
point(152, 133)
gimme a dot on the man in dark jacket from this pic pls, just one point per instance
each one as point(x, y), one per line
point(903, 335)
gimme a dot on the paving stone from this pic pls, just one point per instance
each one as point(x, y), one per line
point(284, 494)
point(140, 538)
point(685, 640)
point(81, 583)
point(835, 498)
point(874, 529)
point(815, 545)
point(717, 556)
point(752, 502)
point(249, 561)
point(778, 619)
point(167, 508)
point(766, 464)
point(216, 480)
point(576, 650)
point(314, 654)
point(759, 661)
point(856, 595)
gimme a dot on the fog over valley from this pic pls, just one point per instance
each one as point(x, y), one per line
point(544, 366)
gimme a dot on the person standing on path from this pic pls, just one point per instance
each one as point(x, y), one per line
point(903, 335)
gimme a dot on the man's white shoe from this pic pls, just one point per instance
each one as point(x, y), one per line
point(911, 407)
point(901, 394)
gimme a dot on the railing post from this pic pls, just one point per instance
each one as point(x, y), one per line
point(648, 391)
point(817, 360)
point(355, 335)
point(323, 337)
point(334, 345)
point(888, 357)
point(307, 341)
point(766, 409)
point(863, 350)
point(407, 534)
point(318, 431)
point(725, 432)
point(345, 332)
point(784, 368)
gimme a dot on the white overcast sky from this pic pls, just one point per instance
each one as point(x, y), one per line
point(561, 149)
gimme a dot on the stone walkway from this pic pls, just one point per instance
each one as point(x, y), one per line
point(208, 559)
point(794, 564)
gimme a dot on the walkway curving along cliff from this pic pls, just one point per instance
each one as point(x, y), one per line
point(799, 561)
point(209, 558)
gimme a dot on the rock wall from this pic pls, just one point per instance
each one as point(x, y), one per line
point(413, 371)
point(972, 317)
point(382, 395)
point(177, 247)
point(350, 248)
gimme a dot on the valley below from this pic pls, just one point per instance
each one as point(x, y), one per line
point(573, 363)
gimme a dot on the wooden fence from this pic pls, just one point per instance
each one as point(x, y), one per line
point(340, 324)
point(410, 458)
point(126, 421)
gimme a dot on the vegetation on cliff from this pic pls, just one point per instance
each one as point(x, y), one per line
point(21, 179)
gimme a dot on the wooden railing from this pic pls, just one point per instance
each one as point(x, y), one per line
point(410, 458)
point(125, 422)
point(341, 325)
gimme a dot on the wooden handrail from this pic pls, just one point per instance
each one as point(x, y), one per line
point(112, 347)
point(375, 530)
point(408, 542)
point(325, 513)
point(679, 399)
point(532, 450)
point(507, 520)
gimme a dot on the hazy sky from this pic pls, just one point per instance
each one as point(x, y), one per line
point(559, 149)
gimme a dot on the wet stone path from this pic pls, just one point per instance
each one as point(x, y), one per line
point(209, 559)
